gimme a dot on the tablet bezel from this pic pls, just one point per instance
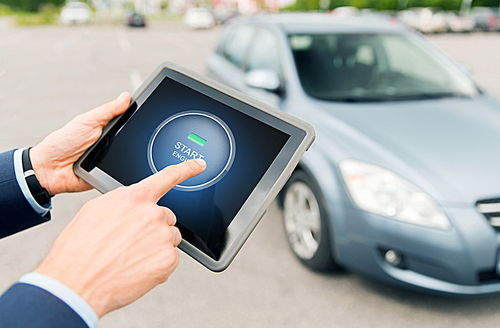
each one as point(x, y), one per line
point(268, 186)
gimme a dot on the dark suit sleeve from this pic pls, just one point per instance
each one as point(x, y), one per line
point(27, 306)
point(16, 214)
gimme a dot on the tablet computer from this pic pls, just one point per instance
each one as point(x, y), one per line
point(250, 149)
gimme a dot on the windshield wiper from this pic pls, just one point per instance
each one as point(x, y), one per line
point(432, 95)
point(417, 96)
point(358, 98)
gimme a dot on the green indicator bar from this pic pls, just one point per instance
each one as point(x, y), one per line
point(196, 138)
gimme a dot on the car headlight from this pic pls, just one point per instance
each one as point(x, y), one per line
point(381, 191)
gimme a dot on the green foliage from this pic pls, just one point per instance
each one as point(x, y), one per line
point(486, 3)
point(5, 10)
point(48, 15)
point(307, 5)
point(444, 4)
point(303, 5)
point(30, 5)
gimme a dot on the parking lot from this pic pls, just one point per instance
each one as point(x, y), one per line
point(50, 74)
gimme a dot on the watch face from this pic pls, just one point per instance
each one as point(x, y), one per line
point(193, 135)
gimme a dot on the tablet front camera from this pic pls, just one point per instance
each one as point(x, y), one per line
point(193, 135)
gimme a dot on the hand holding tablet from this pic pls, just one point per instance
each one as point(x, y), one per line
point(250, 150)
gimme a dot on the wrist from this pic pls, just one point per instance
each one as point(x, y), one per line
point(92, 296)
point(74, 301)
point(40, 167)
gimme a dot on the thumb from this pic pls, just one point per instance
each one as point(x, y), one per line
point(105, 113)
point(160, 183)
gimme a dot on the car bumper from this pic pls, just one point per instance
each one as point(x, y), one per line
point(75, 20)
point(460, 261)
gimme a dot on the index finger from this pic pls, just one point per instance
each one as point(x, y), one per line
point(160, 183)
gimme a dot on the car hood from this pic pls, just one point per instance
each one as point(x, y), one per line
point(449, 147)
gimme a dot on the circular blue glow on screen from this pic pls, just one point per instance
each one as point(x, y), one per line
point(193, 135)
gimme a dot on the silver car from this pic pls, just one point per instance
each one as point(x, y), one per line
point(75, 12)
point(403, 182)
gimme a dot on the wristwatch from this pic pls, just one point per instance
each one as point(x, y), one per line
point(39, 193)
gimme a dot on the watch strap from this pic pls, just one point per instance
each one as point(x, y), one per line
point(39, 193)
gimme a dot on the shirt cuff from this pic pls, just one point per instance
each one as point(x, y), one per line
point(65, 294)
point(21, 181)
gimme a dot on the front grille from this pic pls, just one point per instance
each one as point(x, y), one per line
point(491, 276)
point(491, 210)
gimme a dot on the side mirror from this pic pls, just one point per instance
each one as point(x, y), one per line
point(266, 79)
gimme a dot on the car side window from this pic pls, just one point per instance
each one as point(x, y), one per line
point(237, 42)
point(264, 52)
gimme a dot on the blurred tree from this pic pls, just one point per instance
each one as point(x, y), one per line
point(307, 5)
point(31, 5)
point(444, 4)
point(340, 3)
point(486, 3)
point(385, 4)
point(302, 5)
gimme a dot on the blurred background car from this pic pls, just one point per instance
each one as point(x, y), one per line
point(485, 19)
point(75, 12)
point(401, 184)
point(345, 11)
point(425, 20)
point(135, 20)
point(459, 24)
point(222, 13)
point(199, 18)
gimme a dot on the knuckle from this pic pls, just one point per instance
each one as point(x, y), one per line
point(171, 259)
point(123, 189)
point(172, 236)
point(151, 215)
point(163, 278)
point(158, 214)
point(170, 215)
point(168, 236)
point(176, 236)
point(135, 192)
point(119, 192)
point(175, 231)
point(169, 263)
point(84, 117)
point(174, 259)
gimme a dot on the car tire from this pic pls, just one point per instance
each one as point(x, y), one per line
point(305, 223)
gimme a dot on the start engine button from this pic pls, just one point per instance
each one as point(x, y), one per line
point(193, 135)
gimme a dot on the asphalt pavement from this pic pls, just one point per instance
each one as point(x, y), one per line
point(50, 74)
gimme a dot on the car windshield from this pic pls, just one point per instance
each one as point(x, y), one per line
point(375, 67)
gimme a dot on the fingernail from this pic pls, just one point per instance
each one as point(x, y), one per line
point(201, 162)
point(122, 96)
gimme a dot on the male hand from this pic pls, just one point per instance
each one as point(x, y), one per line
point(122, 244)
point(53, 158)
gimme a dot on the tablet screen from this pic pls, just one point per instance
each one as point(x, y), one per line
point(177, 123)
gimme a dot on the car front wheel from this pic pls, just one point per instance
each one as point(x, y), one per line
point(306, 228)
